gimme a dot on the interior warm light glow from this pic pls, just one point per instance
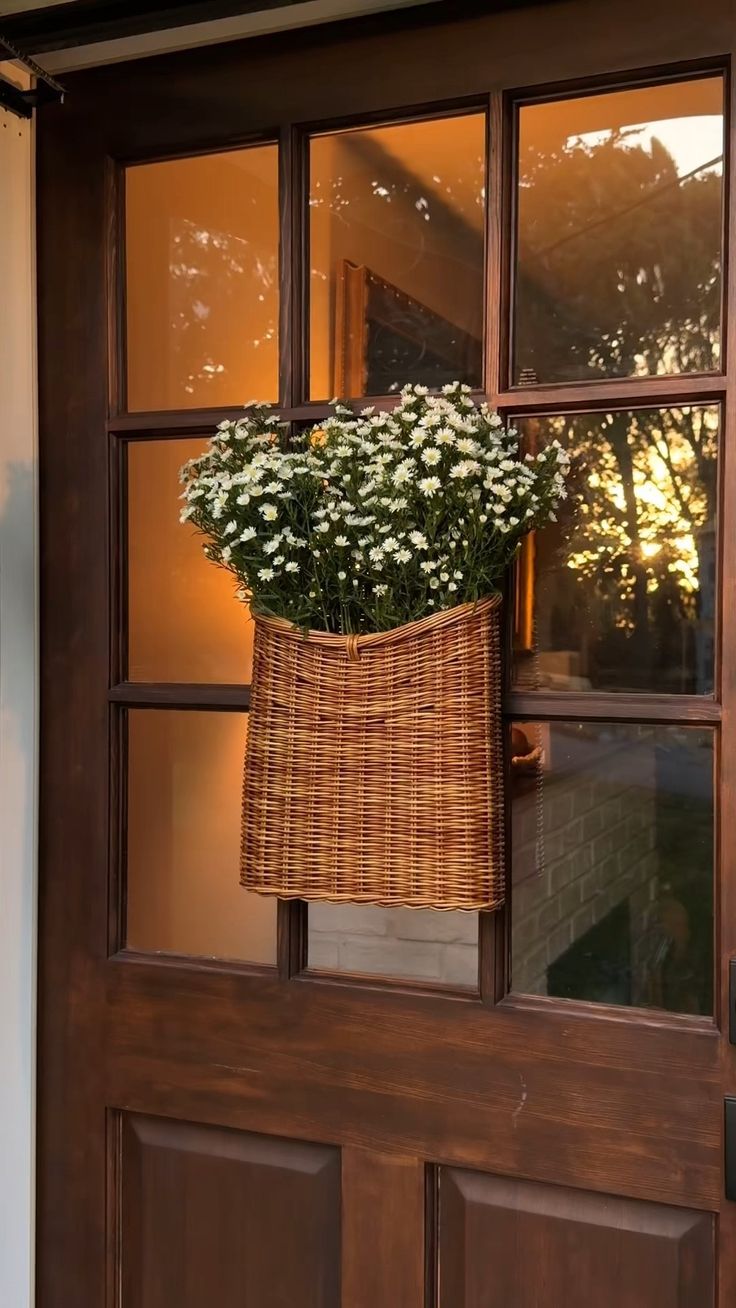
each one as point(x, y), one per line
point(202, 280)
point(184, 785)
point(184, 621)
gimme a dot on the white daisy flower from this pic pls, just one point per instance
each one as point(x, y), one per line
point(269, 512)
point(430, 485)
point(465, 468)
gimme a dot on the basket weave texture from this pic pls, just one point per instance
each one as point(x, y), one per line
point(373, 769)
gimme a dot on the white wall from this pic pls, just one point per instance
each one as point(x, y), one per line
point(18, 705)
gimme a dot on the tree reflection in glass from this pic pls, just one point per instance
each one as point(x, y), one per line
point(620, 215)
point(202, 280)
point(620, 594)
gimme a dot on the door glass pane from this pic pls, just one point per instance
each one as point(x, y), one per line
point(184, 620)
point(620, 200)
point(397, 218)
point(201, 253)
point(419, 944)
point(185, 773)
point(620, 593)
point(612, 864)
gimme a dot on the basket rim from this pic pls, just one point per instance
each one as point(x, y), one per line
point(375, 639)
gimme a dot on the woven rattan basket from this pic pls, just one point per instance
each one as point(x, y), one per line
point(373, 769)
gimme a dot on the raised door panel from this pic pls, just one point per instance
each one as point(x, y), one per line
point(212, 1216)
point(506, 1242)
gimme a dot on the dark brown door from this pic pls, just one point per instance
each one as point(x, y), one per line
point(244, 1104)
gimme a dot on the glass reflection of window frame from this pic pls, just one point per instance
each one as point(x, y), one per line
point(356, 283)
point(591, 91)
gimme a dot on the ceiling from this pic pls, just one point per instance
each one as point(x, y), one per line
point(68, 34)
point(64, 35)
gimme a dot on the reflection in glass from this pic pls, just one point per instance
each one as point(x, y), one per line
point(397, 217)
point(183, 842)
point(620, 594)
point(612, 864)
point(417, 944)
point(202, 240)
point(619, 234)
point(184, 621)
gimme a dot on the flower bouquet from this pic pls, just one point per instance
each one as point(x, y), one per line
point(372, 550)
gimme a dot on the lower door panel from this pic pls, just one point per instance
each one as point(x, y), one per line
point(517, 1244)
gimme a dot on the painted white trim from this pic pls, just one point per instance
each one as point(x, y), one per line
point(18, 709)
point(267, 21)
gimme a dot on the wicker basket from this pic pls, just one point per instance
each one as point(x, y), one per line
point(373, 769)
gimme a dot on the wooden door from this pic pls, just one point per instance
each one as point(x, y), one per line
point(244, 1104)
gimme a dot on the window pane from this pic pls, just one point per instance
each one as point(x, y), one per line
point(620, 594)
point(184, 621)
point(619, 234)
point(612, 861)
point(185, 773)
point(202, 280)
point(397, 217)
point(419, 944)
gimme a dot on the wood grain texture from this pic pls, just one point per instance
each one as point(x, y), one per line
point(622, 393)
point(606, 1103)
point(180, 695)
point(567, 1096)
point(383, 1230)
point(506, 1242)
point(611, 707)
point(73, 201)
point(217, 1217)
